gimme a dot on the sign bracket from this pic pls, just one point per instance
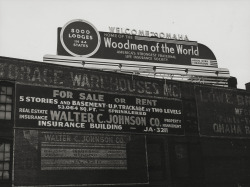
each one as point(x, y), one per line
point(195, 74)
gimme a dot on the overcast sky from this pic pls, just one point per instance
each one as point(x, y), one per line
point(28, 28)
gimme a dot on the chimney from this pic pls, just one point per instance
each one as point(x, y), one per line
point(248, 86)
point(232, 82)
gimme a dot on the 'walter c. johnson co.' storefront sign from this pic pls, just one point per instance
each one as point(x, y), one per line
point(223, 112)
point(80, 38)
point(43, 107)
point(57, 158)
point(72, 151)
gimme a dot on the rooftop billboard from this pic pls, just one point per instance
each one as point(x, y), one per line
point(81, 39)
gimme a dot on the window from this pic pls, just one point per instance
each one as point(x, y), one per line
point(4, 161)
point(6, 93)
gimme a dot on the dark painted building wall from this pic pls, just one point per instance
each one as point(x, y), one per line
point(68, 126)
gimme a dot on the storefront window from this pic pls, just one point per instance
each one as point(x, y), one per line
point(5, 102)
point(4, 161)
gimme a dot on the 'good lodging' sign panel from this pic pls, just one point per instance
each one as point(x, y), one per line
point(52, 108)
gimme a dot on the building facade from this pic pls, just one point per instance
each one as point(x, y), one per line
point(66, 126)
